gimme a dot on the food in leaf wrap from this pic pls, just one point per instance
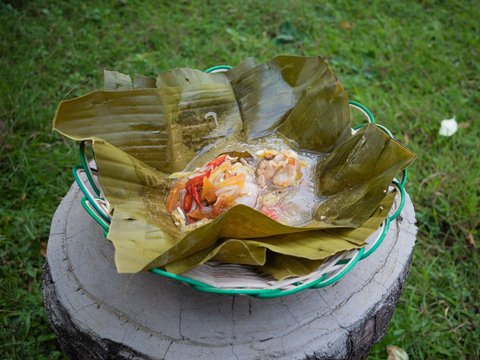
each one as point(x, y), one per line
point(145, 130)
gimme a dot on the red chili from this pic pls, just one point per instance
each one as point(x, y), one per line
point(195, 185)
point(192, 190)
point(187, 202)
point(217, 162)
point(198, 180)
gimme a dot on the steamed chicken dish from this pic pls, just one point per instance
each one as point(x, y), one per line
point(274, 182)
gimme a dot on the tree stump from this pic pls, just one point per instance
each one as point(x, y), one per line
point(97, 313)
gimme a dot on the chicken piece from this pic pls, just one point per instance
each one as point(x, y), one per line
point(287, 176)
point(281, 169)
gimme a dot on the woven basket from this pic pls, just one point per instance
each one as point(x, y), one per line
point(242, 279)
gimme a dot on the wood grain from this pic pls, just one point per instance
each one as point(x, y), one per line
point(100, 314)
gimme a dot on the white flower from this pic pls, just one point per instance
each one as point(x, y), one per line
point(449, 127)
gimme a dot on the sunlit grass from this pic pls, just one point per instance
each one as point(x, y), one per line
point(412, 63)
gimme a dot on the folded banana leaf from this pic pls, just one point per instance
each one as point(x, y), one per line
point(145, 129)
point(309, 247)
point(282, 266)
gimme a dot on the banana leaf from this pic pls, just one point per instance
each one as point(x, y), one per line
point(283, 266)
point(311, 245)
point(114, 80)
point(144, 130)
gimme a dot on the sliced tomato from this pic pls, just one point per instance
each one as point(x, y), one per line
point(173, 198)
point(198, 214)
point(194, 186)
point(195, 189)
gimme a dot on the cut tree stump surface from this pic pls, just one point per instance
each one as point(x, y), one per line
point(100, 314)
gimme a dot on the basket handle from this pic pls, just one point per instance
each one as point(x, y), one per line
point(88, 170)
point(218, 68)
point(386, 223)
point(90, 209)
point(364, 110)
point(92, 200)
point(371, 120)
point(399, 185)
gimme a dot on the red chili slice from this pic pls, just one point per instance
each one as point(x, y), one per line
point(187, 202)
point(192, 190)
point(217, 162)
point(198, 180)
point(194, 185)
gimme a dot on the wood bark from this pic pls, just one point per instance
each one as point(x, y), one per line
point(100, 314)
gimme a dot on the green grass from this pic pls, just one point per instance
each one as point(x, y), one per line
point(412, 63)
